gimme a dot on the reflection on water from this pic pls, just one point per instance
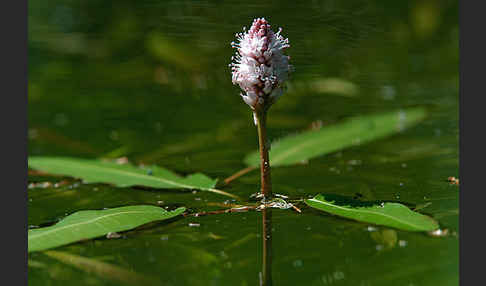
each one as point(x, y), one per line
point(149, 80)
point(266, 274)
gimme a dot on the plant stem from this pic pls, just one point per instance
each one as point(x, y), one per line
point(266, 184)
point(267, 247)
point(238, 174)
point(266, 190)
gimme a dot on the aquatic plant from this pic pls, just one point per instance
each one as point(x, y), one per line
point(260, 69)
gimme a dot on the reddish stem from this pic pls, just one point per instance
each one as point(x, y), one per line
point(266, 183)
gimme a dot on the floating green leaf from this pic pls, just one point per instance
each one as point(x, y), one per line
point(94, 223)
point(123, 175)
point(388, 214)
point(294, 149)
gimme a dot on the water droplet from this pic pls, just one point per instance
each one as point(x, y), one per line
point(354, 162)
point(338, 275)
point(388, 92)
point(33, 133)
point(223, 254)
point(114, 135)
point(46, 185)
point(402, 117)
point(61, 119)
point(112, 235)
point(298, 263)
point(439, 232)
point(122, 160)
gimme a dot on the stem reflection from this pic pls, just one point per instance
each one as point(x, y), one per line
point(266, 277)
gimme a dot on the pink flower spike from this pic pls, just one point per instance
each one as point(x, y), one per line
point(260, 68)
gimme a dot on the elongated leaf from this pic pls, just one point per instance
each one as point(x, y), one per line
point(104, 270)
point(294, 149)
point(94, 223)
point(122, 175)
point(388, 214)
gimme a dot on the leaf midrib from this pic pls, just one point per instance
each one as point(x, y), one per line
point(33, 236)
point(279, 158)
point(366, 211)
point(136, 175)
point(316, 140)
point(312, 141)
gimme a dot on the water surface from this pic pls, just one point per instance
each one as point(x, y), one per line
point(150, 80)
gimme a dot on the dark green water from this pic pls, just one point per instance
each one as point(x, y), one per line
point(149, 80)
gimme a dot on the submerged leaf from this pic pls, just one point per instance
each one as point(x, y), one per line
point(122, 175)
point(95, 223)
point(330, 85)
point(302, 147)
point(388, 214)
point(173, 52)
point(103, 269)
